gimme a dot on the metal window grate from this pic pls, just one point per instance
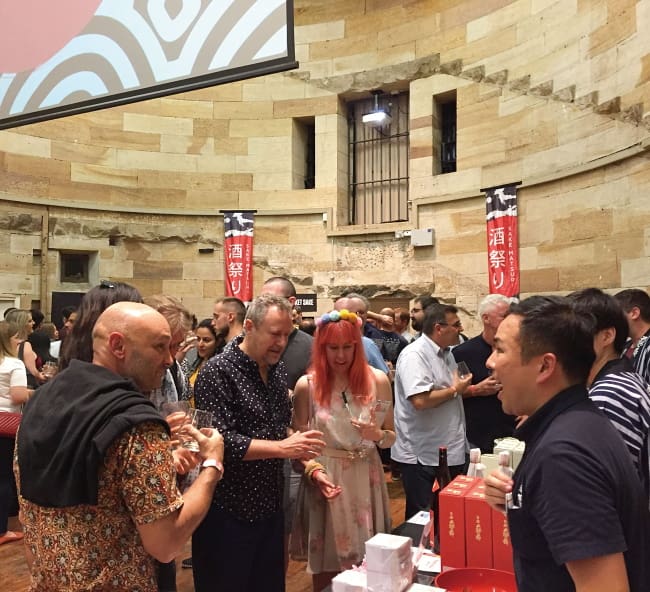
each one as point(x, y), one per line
point(378, 162)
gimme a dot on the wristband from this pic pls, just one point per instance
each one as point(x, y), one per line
point(211, 462)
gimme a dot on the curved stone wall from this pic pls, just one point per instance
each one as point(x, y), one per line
point(550, 93)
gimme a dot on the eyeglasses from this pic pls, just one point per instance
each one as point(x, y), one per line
point(106, 285)
point(456, 325)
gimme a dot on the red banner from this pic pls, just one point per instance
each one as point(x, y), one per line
point(502, 240)
point(238, 254)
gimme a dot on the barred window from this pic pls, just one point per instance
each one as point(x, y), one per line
point(378, 160)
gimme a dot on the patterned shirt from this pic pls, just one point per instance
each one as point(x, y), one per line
point(244, 409)
point(623, 396)
point(641, 357)
point(81, 548)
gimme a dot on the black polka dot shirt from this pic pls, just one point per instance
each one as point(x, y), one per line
point(244, 409)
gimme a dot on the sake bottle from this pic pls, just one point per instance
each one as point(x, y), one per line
point(444, 479)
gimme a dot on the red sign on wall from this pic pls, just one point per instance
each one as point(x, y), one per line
point(502, 240)
point(238, 254)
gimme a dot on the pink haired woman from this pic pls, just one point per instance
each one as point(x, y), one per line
point(343, 499)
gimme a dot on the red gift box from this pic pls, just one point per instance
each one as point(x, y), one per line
point(478, 528)
point(501, 545)
point(452, 526)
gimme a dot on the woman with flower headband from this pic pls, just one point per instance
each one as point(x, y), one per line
point(343, 499)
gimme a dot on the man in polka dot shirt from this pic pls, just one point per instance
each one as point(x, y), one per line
point(239, 546)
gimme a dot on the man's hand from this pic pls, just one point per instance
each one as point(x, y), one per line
point(210, 442)
point(486, 387)
point(176, 421)
point(327, 488)
point(302, 445)
point(496, 486)
point(184, 460)
point(460, 385)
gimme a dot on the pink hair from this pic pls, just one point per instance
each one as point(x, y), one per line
point(360, 376)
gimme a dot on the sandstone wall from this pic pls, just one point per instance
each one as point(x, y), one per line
point(550, 93)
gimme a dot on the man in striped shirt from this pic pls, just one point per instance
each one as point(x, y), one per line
point(636, 306)
point(614, 386)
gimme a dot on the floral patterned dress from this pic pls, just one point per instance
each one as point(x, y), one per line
point(331, 534)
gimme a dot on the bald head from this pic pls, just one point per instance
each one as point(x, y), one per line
point(132, 340)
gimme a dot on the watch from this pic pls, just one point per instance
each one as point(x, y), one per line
point(211, 462)
point(454, 394)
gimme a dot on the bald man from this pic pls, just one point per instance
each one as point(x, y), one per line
point(93, 454)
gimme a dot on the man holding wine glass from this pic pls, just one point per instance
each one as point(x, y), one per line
point(485, 420)
point(428, 407)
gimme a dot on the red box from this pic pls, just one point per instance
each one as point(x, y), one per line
point(501, 545)
point(452, 526)
point(465, 479)
point(478, 528)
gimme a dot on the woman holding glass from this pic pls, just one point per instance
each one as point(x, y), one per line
point(343, 499)
point(13, 393)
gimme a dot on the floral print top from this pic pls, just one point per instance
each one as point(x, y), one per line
point(98, 547)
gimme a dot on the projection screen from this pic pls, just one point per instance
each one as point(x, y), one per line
point(71, 56)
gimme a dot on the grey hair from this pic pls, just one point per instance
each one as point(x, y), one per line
point(491, 300)
point(258, 309)
point(359, 297)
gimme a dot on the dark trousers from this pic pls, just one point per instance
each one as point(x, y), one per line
point(166, 576)
point(417, 481)
point(230, 555)
point(8, 497)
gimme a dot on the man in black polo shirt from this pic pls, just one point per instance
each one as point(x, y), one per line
point(485, 420)
point(577, 513)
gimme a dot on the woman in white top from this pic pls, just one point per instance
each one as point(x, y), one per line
point(13, 393)
point(23, 320)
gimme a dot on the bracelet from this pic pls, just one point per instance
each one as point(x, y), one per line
point(381, 440)
point(311, 467)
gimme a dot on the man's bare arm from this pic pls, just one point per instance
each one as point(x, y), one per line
point(599, 574)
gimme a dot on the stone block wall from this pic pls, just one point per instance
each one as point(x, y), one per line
point(551, 93)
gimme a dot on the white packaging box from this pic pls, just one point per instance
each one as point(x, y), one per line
point(512, 445)
point(388, 554)
point(383, 582)
point(350, 580)
point(389, 563)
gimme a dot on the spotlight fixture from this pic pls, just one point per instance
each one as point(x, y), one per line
point(379, 116)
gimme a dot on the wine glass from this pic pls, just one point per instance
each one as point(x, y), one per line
point(463, 370)
point(49, 369)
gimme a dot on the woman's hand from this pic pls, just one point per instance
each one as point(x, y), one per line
point(368, 431)
point(327, 488)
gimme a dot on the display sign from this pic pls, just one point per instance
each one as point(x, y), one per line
point(307, 302)
point(71, 56)
point(238, 254)
point(502, 240)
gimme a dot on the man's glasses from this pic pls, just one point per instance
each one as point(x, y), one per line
point(456, 325)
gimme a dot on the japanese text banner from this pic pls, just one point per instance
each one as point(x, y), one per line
point(238, 254)
point(502, 240)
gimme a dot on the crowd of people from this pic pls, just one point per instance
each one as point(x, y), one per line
point(306, 419)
